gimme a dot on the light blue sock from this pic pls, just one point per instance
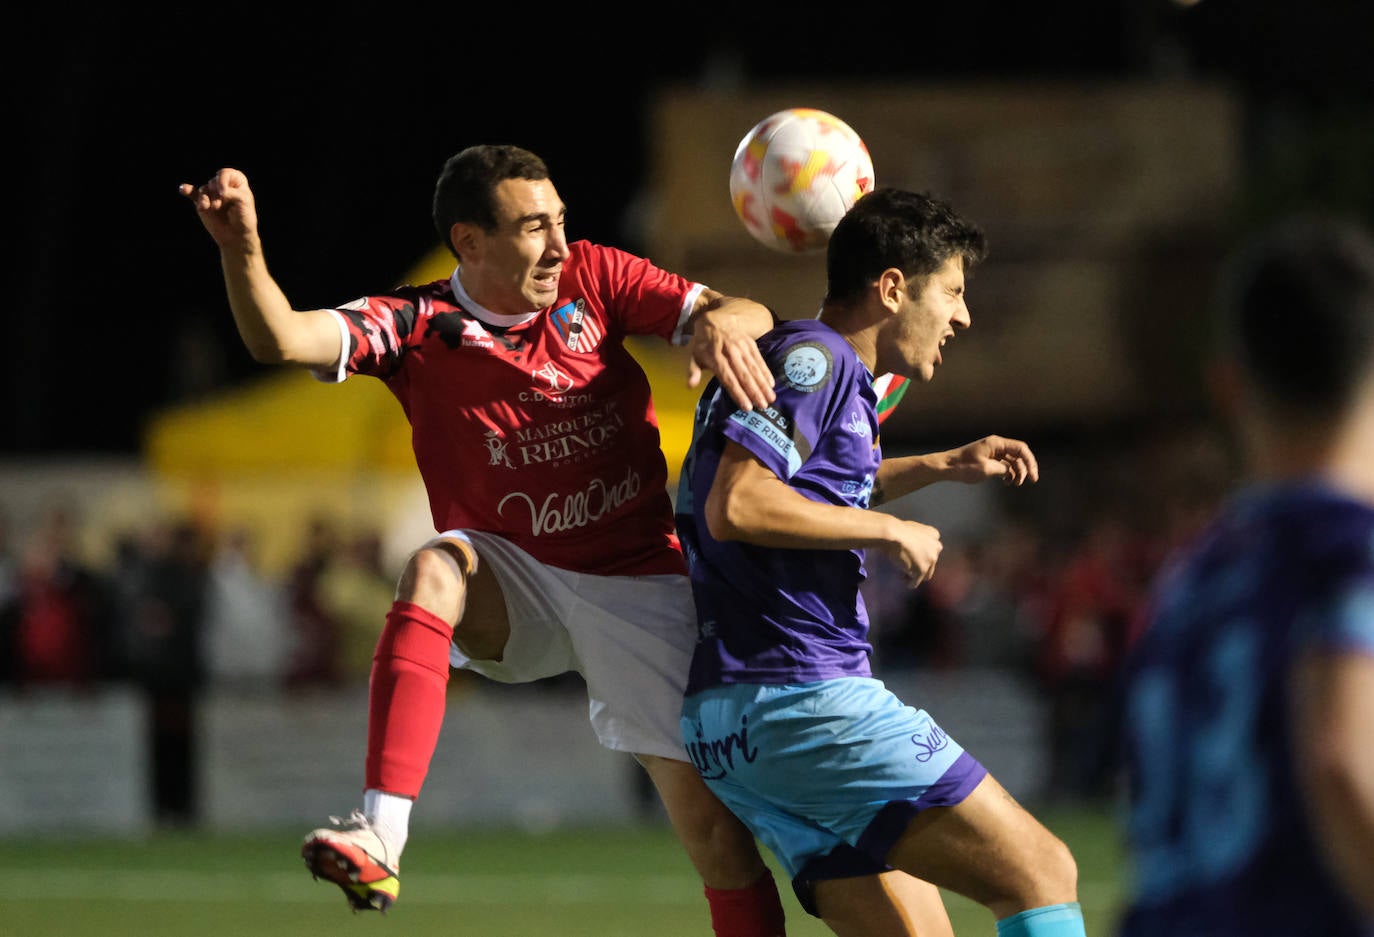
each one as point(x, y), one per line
point(1053, 920)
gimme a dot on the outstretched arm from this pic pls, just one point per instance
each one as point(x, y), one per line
point(273, 332)
point(990, 457)
point(723, 330)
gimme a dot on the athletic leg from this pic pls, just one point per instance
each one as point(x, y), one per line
point(739, 887)
point(892, 904)
point(406, 698)
point(990, 849)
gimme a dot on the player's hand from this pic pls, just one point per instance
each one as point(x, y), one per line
point(226, 208)
point(720, 343)
point(915, 548)
point(993, 457)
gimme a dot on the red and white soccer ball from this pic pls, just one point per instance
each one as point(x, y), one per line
point(795, 175)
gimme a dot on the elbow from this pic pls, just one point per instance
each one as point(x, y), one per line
point(266, 352)
point(723, 517)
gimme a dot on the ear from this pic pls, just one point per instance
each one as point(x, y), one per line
point(891, 289)
point(464, 238)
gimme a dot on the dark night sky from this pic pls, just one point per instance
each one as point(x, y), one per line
point(343, 120)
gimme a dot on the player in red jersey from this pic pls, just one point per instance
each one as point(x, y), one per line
point(535, 434)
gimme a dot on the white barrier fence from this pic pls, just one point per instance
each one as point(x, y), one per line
point(74, 763)
point(78, 763)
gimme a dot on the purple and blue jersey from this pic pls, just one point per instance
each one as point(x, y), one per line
point(1220, 838)
point(770, 616)
point(782, 717)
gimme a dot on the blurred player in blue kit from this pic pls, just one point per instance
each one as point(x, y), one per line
point(1250, 690)
point(867, 802)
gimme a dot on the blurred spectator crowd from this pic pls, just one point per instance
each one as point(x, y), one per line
point(1051, 592)
point(183, 606)
point(1055, 590)
point(180, 609)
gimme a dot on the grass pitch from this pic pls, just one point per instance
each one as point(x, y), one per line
point(622, 882)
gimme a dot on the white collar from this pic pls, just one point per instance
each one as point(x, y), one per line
point(482, 312)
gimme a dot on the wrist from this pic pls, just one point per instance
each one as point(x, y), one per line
point(949, 463)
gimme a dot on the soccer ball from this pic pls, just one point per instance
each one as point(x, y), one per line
point(795, 175)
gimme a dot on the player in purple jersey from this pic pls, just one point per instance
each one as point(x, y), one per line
point(867, 802)
point(1250, 690)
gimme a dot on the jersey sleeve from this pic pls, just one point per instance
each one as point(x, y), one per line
point(1338, 611)
point(376, 331)
point(1344, 620)
point(1352, 621)
point(641, 297)
point(783, 435)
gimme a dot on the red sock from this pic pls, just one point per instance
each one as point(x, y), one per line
point(755, 911)
point(405, 702)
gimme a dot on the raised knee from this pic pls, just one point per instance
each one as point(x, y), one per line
point(433, 579)
point(1063, 869)
point(1054, 873)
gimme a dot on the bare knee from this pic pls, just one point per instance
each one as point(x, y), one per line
point(433, 579)
point(1043, 873)
point(990, 849)
point(1059, 871)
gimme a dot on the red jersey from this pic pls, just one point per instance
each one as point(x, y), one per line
point(540, 429)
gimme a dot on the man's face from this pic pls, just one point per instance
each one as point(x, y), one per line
point(930, 318)
point(514, 269)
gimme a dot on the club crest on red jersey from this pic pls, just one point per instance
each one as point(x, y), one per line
point(558, 382)
point(580, 332)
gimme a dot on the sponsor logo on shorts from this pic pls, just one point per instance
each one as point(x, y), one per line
point(929, 743)
point(715, 758)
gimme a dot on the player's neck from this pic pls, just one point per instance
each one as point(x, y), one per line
point(862, 339)
point(475, 305)
point(1340, 451)
point(1351, 461)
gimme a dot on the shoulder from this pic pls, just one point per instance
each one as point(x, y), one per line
point(1314, 522)
point(592, 258)
point(428, 294)
point(589, 251)
point(413, 296)
point(807, 355)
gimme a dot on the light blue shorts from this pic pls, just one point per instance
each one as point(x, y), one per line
point(827, 775)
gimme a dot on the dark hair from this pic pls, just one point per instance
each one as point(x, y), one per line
point(913, 232)
point(463, 192)
point(1295, 307)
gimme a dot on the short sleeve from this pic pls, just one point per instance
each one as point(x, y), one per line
point(376, 332)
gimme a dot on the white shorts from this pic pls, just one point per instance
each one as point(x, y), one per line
point(630, 637)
